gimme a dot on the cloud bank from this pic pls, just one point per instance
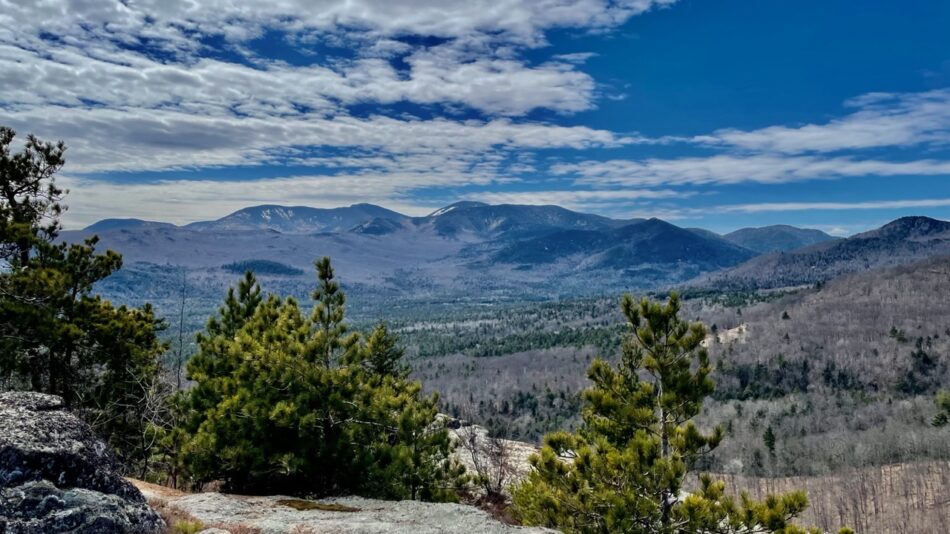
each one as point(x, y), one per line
point(338, 102)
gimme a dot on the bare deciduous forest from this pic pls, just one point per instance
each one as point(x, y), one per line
point(839, 376)
point(903, 499)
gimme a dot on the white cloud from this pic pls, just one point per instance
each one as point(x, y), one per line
point(127, 140)
point(151, 54)
point(576, 57)
point(828, 206)
point(673, 213)
point(881, 120)
point(186, 200)
point(177, 21)
point(135, 86)
point(731, 169)
point(70, 76)
point(585, 200)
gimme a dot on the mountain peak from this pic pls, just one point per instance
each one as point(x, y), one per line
point(912, 227)
point(298, 219)
point(915, 222)
point(118, 224)
point(776, 238)
point(464, 204)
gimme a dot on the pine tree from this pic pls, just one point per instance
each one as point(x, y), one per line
point(383, 355)
point(56, 335)
point(31, 202)
point(624, 469)
point(211, 368)
point(768, 437)
point(347, 418)
point(943, 407)
point(212, 360)
point(328, 315)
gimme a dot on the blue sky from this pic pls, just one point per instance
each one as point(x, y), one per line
point(711, 113)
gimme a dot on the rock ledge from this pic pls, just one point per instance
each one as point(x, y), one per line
point(57, 476)
point(268, 515)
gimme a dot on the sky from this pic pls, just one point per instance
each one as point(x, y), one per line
point(719, 114)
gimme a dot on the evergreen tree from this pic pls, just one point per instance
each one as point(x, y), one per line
point(328, 314)
point(768, 437)
point(56, 335)
point(31, 202)
point(211, 368)
point(383, 355)
point(212, 360)
point(624, 469)
point(943, 407)
point(346, 417)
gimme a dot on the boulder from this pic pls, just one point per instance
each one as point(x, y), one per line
point(57, 476)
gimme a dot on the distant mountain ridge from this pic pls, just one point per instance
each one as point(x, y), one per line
point(776, 238)
point(653, 239)
point(297, 219)
point(910, 229)
point(475, 219)
point(901, 241)
point(472, 247)
point(113, 224)
point(463, 248)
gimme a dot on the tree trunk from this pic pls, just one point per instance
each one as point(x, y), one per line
point(665, 505)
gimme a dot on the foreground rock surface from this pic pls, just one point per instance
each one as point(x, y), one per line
point(349, 515)
point(57, 476)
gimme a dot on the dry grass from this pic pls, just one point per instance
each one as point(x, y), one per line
point(498, 507)
point(179, 522)
point(156, 490)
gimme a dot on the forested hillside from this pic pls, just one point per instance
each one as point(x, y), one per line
point(857, 357)
point(776, 237)
point(899, 242)
point(843, 374)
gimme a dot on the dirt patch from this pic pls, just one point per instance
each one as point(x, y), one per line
point(154, 490)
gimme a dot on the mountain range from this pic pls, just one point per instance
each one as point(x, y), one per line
point(898, 242)
point(490, 250)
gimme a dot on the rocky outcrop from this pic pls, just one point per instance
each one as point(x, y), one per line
point(503, 460)
point(351, 515)
point(57, 476)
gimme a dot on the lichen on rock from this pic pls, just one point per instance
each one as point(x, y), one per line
point(57, 476)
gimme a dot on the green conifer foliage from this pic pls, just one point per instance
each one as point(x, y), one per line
point(768, 437)
point(943, 407)
point(291, 403)
point(56, 335)
point(624, 470)
point(383, 355)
